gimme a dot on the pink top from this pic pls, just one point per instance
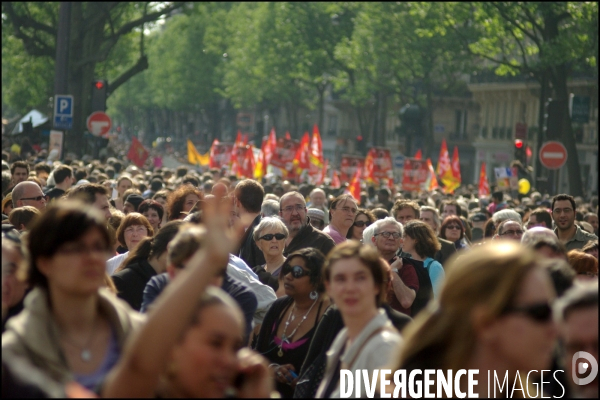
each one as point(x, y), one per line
point(335, 235)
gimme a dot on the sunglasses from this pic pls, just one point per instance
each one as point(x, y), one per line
point(360, 224)
point(296, 270)
point(453, 227)
point(270, 236)
point(511, 232)
point(38, 198)
point(541, 312)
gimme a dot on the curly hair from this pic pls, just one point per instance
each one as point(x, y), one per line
point(176, 200)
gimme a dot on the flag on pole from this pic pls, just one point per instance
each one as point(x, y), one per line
point(194, 157)
point(369, 174)
point(246, 163)
point(444, 168)
point(354, 186)
point(453, 180)
point(484, 185)
point(432, 183)
point(418, 155)
point(335, 181)
point(271, 146)
point(316, 153)
point(137, 153)
point(301, 159)
point(212, 162)
point(260, 168)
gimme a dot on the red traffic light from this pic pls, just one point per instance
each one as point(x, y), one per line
point(518, 143)
point(99, 85)
point(359, 138)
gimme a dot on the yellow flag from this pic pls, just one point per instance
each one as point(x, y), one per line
point(192, 153)
point(203, 159)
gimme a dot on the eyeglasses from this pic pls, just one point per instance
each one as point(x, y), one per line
point(270, 236)
point(297, 207)
point(350, 210)
point(360, 224)
point(541, 312)
point(387, 235)
point(453, 227)
point(136, 229)
point(38, 198)
point(563, 210)
point(296, 270)
point(511, 232)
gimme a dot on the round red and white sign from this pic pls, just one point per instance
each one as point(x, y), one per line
point(99, 124)
point(553, 155)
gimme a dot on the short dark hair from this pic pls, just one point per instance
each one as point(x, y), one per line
point(153, 204)
point(402, 204)
point(451, 203)
point(42, 166)
point(62, 172)
point(87, 192)
point(181, 171)
point(367, 255)
point(18, 164)
point(427, 243)
point(542, 215)
point(380, 213)
point(250, 193)
point(192, 180)
point(61, 223)
point(560, 197)
point(24, 215)
point(314, 260)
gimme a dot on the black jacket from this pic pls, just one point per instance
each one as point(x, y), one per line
point(132, 280)
point(249, 251)
point(310, 237)
point(443, 254)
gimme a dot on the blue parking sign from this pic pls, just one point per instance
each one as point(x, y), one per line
point(63, 111)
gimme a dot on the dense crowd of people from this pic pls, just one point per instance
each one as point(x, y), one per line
point(124, 282)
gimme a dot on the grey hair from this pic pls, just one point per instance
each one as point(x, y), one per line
point(436, 215)
point(579, 297)
point(269, 223)
point(503, 215)
point(537, 233)
point(269, 208)
point(368, 234)
point(387, 221)
point(290, 194)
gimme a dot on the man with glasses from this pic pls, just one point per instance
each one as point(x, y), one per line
point(510, 229)
point(293, 212)
point(563, 213)
point(28, 194)
point(405, 282)
point(342, 213)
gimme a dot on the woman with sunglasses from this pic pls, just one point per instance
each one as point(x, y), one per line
point(363, 219)
point(493, 314)
point(453, 230)
point(289, 325)
point(269, 236)
point(356, 282)
point(72, 327)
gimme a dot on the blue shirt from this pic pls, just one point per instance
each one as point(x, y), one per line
point(436, 274)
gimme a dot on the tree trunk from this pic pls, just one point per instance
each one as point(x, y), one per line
point(321, 91)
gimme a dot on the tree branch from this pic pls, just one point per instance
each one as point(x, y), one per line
point(512, 22)
point(148, 18)
point(140, 66)
point(32, 44)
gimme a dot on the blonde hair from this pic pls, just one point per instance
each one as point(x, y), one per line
point(489, 276)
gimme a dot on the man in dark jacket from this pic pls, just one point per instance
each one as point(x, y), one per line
point(248, 198)
point(293, 212)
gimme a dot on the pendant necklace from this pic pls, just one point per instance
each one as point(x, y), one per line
point(286, 339)
point(86, 353)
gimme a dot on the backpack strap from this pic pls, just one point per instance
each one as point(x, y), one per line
point(427, 264)
point(371, 336)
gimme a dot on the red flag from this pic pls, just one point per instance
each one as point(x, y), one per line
point(418, 155)
point(287, 135)
point(316, 153)
point(321, 177)
point(369, 174)
point(212, 162)
point(484, 185)
point(137, 153)
point(301, 160)
point(246, 164)
point(456, 165)
point(354, 187)
point(335, 181)
point(271, 146)
point(452, 178)
point(433, 183)
point(244, 139)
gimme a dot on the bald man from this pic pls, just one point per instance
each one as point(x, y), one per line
point(28, 193)
point(219, 190)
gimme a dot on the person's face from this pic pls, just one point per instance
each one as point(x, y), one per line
point(123, 186)
point(343, 214)
point(519, 341)
point(273, 247)
point(162, 201)
point(13, 289)
point(593, 221)
point(317, 198)
point(404, 215)
point(128, 208)
point(152, 216)
point(579, 332)
point(78, 267)
point(408, 244)
point(427, 217)
point(293, 212)
point(189, 202)
point(42, 176)
point(360, 224)
point(387, 245)
point(317, 223)
point(563, 214)
point(32, 193)
point(205, 361)
point(20, 175)
point(533, 222)
point(7, 208)
point(133, 235)
point(297, 287)
point(453, 230)
point(449, 209)
point(103, 205)
point(511, 230)
point(352, 288)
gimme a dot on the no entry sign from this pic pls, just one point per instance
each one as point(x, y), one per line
point(98, 123)
point(553, 155)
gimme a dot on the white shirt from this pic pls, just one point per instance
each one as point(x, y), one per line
point(113, 263)
point(265, 295)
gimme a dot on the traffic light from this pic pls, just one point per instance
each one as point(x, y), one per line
point(99, 93)
point(360, 145)
point(520, 153)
